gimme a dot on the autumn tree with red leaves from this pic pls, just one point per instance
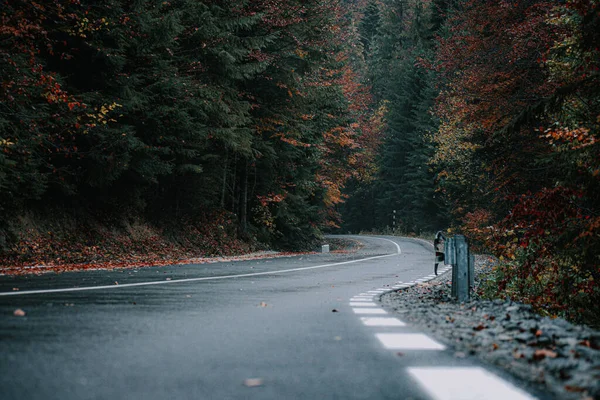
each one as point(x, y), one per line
point(517, 145)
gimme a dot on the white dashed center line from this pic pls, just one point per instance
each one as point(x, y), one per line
point(465, 383)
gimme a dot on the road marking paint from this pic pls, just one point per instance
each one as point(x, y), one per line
point(362, 304)
point(359, 298)
point(369, 311)
point(465, 383)
point(381, 321)
point(375, 291)
point(391, 241)
point(207, 278)
point(408, 341)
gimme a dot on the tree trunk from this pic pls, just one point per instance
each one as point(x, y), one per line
point(233, 180)
point(244, 199)
point(224, 184)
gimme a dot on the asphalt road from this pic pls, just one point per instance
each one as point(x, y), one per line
point(195, 333)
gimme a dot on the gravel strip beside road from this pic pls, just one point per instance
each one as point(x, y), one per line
point(556, 355)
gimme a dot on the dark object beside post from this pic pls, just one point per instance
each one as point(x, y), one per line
point(438, 242)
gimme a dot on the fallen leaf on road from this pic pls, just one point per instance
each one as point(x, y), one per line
point(494, 346)
point(334, 310)
point(19, 313)
point(399, 354)
point(15, 288)
point(576, 389)
point(253, 382)
point(542, 353)
point(116, 283)
point(479, 327)
point(263, 304)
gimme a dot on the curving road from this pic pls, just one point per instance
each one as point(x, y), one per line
point(262, 329)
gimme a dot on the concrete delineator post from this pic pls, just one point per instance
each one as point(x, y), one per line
point(450, 255)
point(462, 268)
point(457, 254)
point(325, 248)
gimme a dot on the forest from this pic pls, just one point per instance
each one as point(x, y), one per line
point(147, 132)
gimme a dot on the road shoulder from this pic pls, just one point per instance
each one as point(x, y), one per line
point(550, 354)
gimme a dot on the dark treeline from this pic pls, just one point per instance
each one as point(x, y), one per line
point(182, 112)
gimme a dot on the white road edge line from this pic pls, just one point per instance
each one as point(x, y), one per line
point(391, 241)
point(210, 278)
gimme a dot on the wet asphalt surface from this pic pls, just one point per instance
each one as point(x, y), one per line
point(203, 339)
